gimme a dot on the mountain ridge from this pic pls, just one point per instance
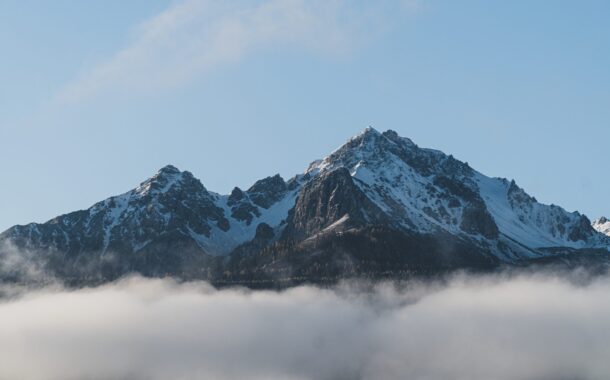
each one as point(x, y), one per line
point(378, 184)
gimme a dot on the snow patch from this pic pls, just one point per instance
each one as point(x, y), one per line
point(602, 225)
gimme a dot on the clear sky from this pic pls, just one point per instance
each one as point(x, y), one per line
point(95, 96)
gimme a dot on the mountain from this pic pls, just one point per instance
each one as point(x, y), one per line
point(379, 206)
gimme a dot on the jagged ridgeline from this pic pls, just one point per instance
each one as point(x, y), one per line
point(377, 207)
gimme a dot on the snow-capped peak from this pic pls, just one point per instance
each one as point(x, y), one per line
point(602, 225)
point(367, 131)
point(426, 190)
point(165, 179)
point(168, 169)
point(367, 146)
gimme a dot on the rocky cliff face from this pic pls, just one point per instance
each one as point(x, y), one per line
point(331, 201)
point(378, 204)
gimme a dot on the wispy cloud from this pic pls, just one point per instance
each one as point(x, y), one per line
point(193, 36)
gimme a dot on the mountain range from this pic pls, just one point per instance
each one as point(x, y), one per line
point(377, 207)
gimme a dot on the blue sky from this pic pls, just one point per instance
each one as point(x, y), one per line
point(96, 96)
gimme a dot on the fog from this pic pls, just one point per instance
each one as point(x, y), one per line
point(517, 327)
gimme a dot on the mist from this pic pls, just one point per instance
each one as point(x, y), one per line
point(490, 327)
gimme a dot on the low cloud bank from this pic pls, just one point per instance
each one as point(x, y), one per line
point(524, 327)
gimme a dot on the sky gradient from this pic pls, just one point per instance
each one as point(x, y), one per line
point(97, 96)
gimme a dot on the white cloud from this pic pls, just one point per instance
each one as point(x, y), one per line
point(472, 328)
point(193, 36)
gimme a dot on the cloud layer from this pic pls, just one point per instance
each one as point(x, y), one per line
point(484, 328)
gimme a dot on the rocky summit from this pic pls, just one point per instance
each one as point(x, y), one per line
point(378, 207)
